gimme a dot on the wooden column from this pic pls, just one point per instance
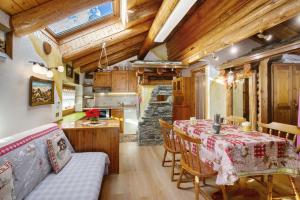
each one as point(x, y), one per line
point(263, 97)
point(229, 108)
point(253, 100)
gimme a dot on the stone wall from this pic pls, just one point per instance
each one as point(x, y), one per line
point(148, 128)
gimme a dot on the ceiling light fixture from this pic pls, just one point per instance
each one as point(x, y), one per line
point(233, 49)
point(215, 57)
point(180, 10)
point(265, 37)
point(41, 68)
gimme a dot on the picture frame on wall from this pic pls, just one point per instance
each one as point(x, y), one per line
point(41, 92)
point(69, 71)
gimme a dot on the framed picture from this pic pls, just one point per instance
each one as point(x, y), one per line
point(69, 71)
point(41, 92)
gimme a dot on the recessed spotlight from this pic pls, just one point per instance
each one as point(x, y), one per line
point(269, 37)
point(298, 19)
point(215, 57)
point(234, 49)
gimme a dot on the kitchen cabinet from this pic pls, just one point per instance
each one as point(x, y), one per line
point(119, 81)
point(102, 79)
point(132, 81)
point(182, 98)
point(118, 114)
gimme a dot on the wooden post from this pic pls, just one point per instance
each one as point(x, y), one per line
point(263, 92)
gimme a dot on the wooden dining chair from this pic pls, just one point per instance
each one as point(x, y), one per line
point(170, 146)
point(191, 163)
point(289, 132)
point(234, 120)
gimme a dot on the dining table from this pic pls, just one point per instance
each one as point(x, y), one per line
point(234, 153)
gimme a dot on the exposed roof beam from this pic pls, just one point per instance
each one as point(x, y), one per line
point(164, 12)
point(40, 16)
point(142, 13)
point(262, 55)
point(121, 46)
point(255, 16)
point(132, 51)
point(85, 48)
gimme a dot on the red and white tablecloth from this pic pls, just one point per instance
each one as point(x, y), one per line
point(234, 153)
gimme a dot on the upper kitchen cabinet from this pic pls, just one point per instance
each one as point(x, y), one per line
point(119, 81)
point(102, 79)
point(132, 81)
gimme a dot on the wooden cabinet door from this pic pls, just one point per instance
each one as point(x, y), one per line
point(119, 81)
point(102, 79)
point(282, 93)
point(132, 81)
point(296, 92)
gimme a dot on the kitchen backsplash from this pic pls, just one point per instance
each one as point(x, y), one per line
point(111, 100)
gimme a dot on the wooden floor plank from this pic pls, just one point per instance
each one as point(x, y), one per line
point(143, 178)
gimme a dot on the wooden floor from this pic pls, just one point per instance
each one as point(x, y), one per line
point(143, 178)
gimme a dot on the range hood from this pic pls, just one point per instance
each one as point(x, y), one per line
point(101, 89)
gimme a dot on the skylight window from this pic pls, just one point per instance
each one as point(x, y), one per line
point(82, 18)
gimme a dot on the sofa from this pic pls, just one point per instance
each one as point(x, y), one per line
point(80, 179)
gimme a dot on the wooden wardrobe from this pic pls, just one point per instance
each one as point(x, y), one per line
point(285, 92)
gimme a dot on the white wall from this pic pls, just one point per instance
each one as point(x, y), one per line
point(15, 113)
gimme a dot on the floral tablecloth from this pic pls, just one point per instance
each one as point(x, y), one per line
point(234, 153)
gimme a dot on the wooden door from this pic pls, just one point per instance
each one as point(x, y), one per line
point(282, 93)
point(296, 93)
point(132, 81)
point(119, 81)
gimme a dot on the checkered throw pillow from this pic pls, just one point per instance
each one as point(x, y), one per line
point(6, 182)
point(58, 152)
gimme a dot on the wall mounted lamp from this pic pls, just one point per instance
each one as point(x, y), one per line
point(41, 68)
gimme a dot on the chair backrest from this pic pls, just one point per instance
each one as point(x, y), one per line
point(234, 120)
point(168, 136)
point(287, 131)
point(190, 151)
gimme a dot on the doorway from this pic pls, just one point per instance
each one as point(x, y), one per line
point(200, 94)
point(285, 92)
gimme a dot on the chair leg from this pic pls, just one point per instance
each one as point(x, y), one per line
point(224, 192)
point(164, 158)
point(173, 167)
point(270, 187)
point(180, 178)
point(293, 183)
point(197, 188)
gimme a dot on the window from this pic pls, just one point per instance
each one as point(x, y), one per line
point(68, 98)
point(82, 18)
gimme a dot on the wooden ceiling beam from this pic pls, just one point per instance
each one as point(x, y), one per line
point(111, 59)
point(273, 14)
point(142, 13)
point(121, 46)
point(47, 13)
point(163, 14)
point(89, 47)
point(208, 16)
point(262, 55)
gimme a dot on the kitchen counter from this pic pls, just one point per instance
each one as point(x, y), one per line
point(103, 138)
point(72, 117)
point(111, 107)
point(80, 124)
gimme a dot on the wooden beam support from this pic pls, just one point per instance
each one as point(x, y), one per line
point(255, 16)
point(142, 13)
point(121, 46)
point(263, 94)
point(163, 14)
point(112, 58)
point(72, 52)
point(281, 11)
point(262, 55)
point(47, 13)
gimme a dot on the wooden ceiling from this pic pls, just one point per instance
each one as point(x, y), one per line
point(13, 7)
point(209, 27)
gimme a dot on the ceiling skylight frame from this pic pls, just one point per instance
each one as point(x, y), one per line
point(115, 13)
